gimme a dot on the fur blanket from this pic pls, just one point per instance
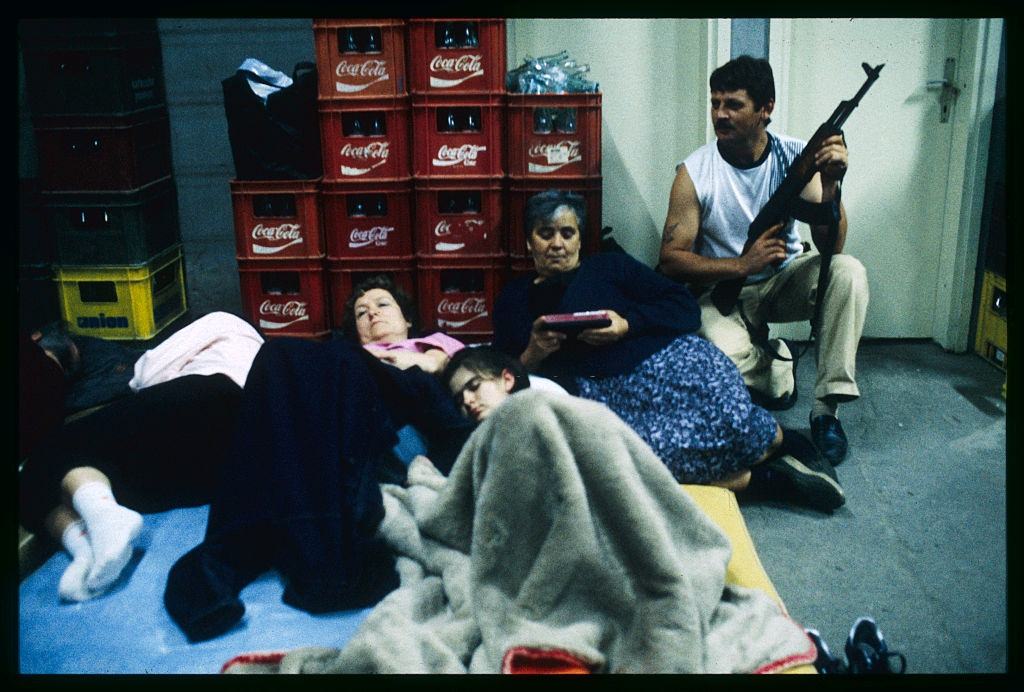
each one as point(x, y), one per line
point(558, 530)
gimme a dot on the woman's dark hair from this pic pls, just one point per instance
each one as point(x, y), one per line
point(542, 206)
point(383, 281)
point(486, 361)
point(746, 72)
point(57, 341)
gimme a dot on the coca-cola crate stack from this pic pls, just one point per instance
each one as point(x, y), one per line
point(365, 118)
point(554, 142)
point(96, 90)
point(457, 79)
point(280, 251)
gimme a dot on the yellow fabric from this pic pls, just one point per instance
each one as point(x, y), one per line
point(744, 568)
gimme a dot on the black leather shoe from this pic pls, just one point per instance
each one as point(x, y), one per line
point(828, 436)
point(868, 654)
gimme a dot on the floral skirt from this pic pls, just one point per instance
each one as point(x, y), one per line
point(689, 403)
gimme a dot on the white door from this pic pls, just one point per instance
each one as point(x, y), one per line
point(907, 169)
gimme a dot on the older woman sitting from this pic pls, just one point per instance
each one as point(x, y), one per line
point(679, 392)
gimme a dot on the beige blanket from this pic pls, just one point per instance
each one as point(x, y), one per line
point(558, 528)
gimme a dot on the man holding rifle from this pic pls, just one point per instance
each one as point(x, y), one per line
point(717, 192)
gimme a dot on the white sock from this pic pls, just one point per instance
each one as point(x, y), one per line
point(112, 532)
point(72, 582)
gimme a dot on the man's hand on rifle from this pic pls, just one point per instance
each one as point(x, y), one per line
point(767, 249)
point(832, 160)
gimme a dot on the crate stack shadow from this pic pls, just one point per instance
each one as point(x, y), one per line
point(105, 201)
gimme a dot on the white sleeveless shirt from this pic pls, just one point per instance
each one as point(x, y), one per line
point(731, 197)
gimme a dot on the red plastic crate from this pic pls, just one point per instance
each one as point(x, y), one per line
point(457, 295)
point(277, 219)
point(368, 219)
point(343, 275)
point(462, 217)
point(554, 146)
point(475, 148)
point(456, 69)
point(284, 297)
point(521, 189)
point(78, 153)
point(366, 156)
point(365, 72)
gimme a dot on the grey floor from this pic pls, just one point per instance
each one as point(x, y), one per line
point(921, 543)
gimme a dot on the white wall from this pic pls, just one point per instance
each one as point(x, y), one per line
point(653, 78)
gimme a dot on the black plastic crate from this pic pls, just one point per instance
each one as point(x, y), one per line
point(88, 75)
point(126, 227)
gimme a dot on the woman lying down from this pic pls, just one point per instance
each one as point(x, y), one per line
point(558, 541)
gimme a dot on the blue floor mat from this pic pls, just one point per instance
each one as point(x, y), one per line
point(128, 630)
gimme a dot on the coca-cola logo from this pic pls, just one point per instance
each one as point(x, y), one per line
point(468, 64)
point(463, 63)
point(294, 309)
point(453, 314)
point(378, 235)
point(374, 151)
point(290, 232)
point(286, 231)
point(374, 70)
point(566, 147)
point(465, 155)
point(554, 154)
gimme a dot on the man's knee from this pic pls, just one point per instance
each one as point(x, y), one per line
point(847, 271)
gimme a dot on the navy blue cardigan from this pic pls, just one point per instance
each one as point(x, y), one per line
point(658, 310)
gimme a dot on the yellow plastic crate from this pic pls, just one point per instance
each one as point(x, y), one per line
point(126, 301)
point(990, 340)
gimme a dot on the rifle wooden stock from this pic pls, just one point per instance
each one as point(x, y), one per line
point(725, 293)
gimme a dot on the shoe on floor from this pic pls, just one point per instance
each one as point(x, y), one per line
point(867, 652)
point(829, 437)
point(825, 663)
point(798, 473)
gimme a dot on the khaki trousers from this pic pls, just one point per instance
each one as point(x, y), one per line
point(789, 297)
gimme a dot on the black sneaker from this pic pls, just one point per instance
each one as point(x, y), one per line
point(797, 472)
point(867, 652)
point(825, 663)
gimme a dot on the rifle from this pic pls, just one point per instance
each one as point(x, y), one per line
point(725, 293)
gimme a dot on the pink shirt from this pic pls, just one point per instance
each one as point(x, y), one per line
point(438, 340)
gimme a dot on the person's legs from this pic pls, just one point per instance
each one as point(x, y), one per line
point(844, 306)
point(761, 373)
point(112, 529)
